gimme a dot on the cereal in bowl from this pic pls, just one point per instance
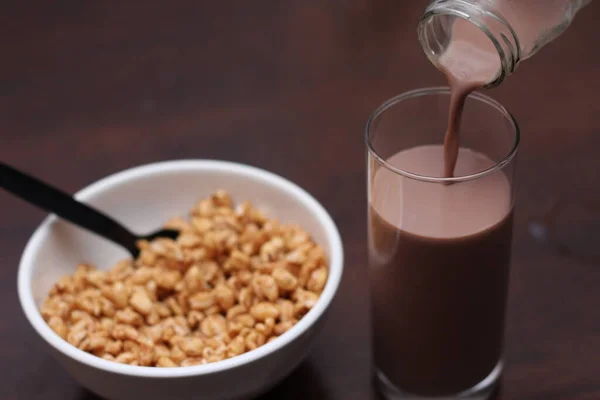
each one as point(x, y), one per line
point(232, 281)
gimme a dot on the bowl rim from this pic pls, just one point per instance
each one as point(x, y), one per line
point(25, 273)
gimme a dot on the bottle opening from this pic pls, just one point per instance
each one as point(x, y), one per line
point(469, 44)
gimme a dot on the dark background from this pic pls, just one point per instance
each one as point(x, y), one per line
point(91, 88)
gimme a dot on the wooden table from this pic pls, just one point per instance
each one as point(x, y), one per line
point(91, 88)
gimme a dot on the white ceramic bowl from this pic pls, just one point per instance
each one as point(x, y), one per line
point(143, 198)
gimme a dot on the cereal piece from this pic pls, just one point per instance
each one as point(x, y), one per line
point(224, 296)
point(234, 283)
point(108, 308)
point(58, 325)
point(142, 275)
point(246, 320)
point(305, 299)
point(213, 325)
point(306, 270)
point(213, 355)
point(202, 225)
point(273, 227)
point(193, 279)
point(163, 310)
point(235, 311)
point(296, 257)
point(285, 279)
point(234, 328)
point(194, 317)
point(89, 304)
point(167, 278)
point(265, 328)
point(286, 310)
point(113, 347)
point(121, 271)
point(271, 250)
point(317, 254)
point(254, 340)
point(146, 356)
point(107, 324)
point(181, 325)
point(122, 332)
point(131, 346)
point(161, 351)
point(151, 289)
point(76, 337)
point(168, 333)
point(237, 261)
point(174, 306)
point(221, 199)
point(78, 333)
point(317, 279)
point(283, 327)
point(217, 341)
point(298, 239)
point(64, 285)
point(177, 355)
point(78, 315)
point(97, 342)
point(189, 240)
point(208, 271)
point(192, 346)
point(96, 278)
point(188, 362)
point(201, 301)
point(153, 318)
point(129, 317)
point(245, 297)
point(118, 294)
point(212, 310)
point(264, 310)
point(265, 287)
point(147, 257)
point(145, 341)
point(141, 302)
point(125, 358)
point(236, 346)
point(153, 333)
point(165, 362)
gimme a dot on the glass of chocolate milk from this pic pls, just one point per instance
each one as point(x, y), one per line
point(439, 247)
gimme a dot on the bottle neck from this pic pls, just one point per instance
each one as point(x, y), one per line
point(436, 29)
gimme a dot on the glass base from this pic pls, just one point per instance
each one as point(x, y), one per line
point(482, 391)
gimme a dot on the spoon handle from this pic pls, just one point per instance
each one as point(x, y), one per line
point(62, 204)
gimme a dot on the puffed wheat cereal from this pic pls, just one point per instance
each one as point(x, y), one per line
point(232, 281)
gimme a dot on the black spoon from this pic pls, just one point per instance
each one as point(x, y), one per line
point(66, 207)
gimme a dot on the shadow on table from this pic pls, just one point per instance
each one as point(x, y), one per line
point(87, 395)
point(496, 394)
point(303, 383)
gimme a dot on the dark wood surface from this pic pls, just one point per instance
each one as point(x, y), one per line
point(91, 88)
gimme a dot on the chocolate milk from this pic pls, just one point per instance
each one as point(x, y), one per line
point(470, 62)
point(439, 260)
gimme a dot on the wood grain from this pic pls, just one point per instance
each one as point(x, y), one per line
point(90, 88)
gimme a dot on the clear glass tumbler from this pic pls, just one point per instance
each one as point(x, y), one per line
point(439, 248)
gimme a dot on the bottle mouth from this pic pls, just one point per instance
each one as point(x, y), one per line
point(436, 33)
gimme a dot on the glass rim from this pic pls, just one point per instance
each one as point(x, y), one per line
point(443, 90)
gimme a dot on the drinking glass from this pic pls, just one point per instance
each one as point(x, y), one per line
point(439, 248)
